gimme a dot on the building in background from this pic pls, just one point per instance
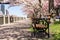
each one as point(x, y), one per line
point(3, 8)
point(5, 18)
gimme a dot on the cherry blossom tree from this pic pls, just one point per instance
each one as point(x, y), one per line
point(56, 3)
point(37, 8)
point(45, 7)
point(33, 8)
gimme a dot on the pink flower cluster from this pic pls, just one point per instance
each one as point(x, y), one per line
point(45, 6)
point(56, 3)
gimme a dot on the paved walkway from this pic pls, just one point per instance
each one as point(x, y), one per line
point(17, 31)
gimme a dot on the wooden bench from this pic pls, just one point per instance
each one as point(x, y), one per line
point(41, 24)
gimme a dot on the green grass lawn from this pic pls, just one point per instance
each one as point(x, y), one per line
point(55, 28)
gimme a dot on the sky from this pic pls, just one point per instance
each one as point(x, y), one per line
point(15, 10)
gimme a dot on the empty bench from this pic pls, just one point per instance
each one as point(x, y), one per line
point(41, 25)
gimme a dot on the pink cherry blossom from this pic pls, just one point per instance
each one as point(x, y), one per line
point(45, 6)
point(56, 3)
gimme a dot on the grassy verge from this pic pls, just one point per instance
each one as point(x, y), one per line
point(55, 28)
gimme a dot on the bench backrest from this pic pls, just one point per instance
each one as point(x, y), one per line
point(41, 21)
